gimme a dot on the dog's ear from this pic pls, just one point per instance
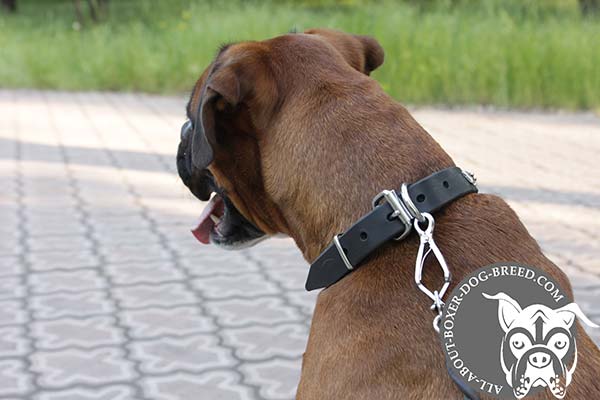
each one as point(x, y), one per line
point(374, 54)
point(572, 310)
point(221, 90)
point(225, 89)
point(363, 53)
point(508, 309)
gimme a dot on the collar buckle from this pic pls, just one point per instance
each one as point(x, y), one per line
point(404, 208)
point(400, 210)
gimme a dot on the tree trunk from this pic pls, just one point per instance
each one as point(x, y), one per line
point(98, 9)
point(589, 6)
point(93, 10)
point(103, 8)
point(10, 5)
point(79, 12)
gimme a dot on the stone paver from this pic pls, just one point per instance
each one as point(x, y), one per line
point(104, 294)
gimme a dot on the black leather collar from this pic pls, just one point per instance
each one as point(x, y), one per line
point(385, 222)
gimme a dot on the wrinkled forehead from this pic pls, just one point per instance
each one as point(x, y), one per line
point(195, 97)
point(194, 101)
point(286, 53)
point(225, 54)
point(538, 315)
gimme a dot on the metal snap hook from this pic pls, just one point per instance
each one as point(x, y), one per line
point(430, 225)
point(428, 246)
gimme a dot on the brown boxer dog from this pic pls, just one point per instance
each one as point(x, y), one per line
point(295, 138)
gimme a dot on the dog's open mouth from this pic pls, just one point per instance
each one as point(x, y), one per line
point(222, 224)
point(209, 220)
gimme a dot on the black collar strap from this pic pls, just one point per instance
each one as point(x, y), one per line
point(390, 219)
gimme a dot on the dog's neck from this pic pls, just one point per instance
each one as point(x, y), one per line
point(367, 144)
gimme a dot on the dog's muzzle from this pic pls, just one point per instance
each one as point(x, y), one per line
point(539, 366)
point(200, 183)
point(220, 222)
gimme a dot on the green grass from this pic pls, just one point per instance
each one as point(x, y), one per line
point(507, 53)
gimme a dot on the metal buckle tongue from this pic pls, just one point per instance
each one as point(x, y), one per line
point(426, 247)
point(404, 209)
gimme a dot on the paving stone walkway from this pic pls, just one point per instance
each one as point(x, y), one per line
point(104, 293)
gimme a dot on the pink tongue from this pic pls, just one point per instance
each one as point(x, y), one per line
point(205, 223)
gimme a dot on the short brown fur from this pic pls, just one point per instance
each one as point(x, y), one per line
point(306, 143)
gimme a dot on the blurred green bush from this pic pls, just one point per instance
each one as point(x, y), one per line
point(510, 53)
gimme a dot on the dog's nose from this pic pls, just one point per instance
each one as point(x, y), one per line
point(186, 129)
point(539, 359)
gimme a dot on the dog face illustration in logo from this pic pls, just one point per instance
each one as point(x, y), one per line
point(537, 345)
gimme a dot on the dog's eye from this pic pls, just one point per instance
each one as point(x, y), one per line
point(517, 344)
point(519, 341)
point(559, 341)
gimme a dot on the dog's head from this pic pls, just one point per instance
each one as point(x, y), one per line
point(245, 115)
point(538, 345)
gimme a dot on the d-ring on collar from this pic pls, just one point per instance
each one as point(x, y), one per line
point(390, 219)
